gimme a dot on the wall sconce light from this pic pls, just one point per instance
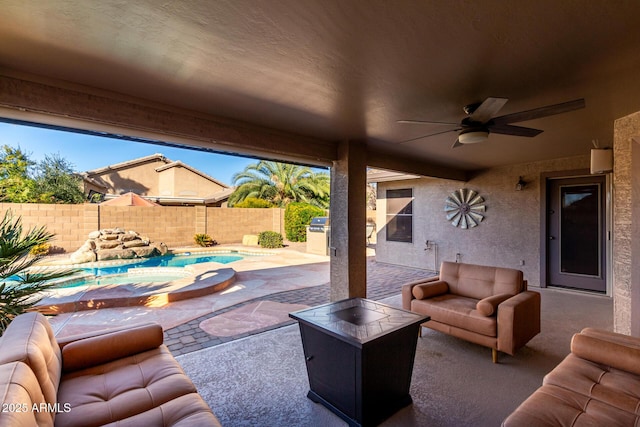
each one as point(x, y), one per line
point(520, 184)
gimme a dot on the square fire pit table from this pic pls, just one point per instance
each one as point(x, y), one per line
point(359, 356)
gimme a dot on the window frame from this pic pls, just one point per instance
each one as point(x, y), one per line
point(394, 214)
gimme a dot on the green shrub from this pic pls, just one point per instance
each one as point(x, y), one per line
point(296, 218)
point(204, 240)
point(254, 202)
point(270, 239)
point(40, 250)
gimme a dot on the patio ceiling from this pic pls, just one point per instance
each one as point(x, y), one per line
point(337, 70)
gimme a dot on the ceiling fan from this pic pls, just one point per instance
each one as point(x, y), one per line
point(480, 122)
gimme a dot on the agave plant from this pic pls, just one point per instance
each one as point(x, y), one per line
point(20, 280)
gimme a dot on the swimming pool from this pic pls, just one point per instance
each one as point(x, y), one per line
point(174, 260)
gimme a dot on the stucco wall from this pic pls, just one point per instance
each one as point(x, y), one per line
point(509, 234)
point(626, 181)
point(140, 178)
point(190, 184)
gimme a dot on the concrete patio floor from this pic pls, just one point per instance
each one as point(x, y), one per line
point(267, 288)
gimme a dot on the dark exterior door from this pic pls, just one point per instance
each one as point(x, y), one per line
point(576, 241)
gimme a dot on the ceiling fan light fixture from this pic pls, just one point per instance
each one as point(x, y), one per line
point(473, 137)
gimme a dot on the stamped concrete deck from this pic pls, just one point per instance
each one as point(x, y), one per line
point(265, 291)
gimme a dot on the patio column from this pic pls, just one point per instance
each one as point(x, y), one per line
point(348, 258)
point(626, 226)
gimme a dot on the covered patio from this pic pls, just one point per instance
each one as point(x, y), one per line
point(245, 355)
point(328, 83)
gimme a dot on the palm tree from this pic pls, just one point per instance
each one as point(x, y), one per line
point(19, 281)
point(281, 183)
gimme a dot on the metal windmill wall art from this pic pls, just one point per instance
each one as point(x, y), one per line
point(463, 208)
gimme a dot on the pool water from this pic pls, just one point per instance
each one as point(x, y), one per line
point(176, 260)
point(120, 279)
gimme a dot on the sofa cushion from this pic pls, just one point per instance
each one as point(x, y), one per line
point(479, 281)
point(611, 386)
point(110, 346)
point(430, 289)
point(188, 410)
point(29, 339)
point(626, 340)
point(122, 388)
point(608, 353)
point(553, 406)
point(489, 306)
point(19, 392)
point(456, 311)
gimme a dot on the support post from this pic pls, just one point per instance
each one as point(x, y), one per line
point(348, 258)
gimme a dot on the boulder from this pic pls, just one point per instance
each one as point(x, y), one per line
point(134, 244)
point(109, 244)
point(109, 237)
point(115, 243)
point(160, 247)
point(145, 251)
point(250, 240)
point(108, 254)
point(81, 257)
point(127, 237)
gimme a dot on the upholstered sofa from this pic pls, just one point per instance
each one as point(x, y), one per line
point(597, 384)
point(489, 306)
point(126, 377)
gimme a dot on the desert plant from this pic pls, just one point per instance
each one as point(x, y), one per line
point(204, 240)
point(40, 250)
point(20, 280)
point(296, 218)
point(270, 239)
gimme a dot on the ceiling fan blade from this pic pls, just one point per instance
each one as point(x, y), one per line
point(426, 122)
point(513, 130)
point(487, 109)
point(431, 134)
point(537, 113)
point(457, 144)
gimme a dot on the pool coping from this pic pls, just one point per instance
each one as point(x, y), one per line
point(205, 279)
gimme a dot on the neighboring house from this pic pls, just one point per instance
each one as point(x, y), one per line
point(157, 179)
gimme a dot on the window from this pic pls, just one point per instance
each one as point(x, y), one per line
point(400, 215)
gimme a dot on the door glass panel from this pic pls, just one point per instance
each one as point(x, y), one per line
point(579, 225)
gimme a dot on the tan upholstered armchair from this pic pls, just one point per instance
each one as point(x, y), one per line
point(490, 306)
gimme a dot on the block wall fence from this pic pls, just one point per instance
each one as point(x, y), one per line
point(173, 225)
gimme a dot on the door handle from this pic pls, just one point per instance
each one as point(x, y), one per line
point(552, 238)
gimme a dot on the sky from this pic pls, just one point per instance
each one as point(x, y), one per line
point(86, 152)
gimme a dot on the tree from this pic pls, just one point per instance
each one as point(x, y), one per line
point(15, 184)
point(20, 284)
point(281, 183)
point(252, 202)
point(56, 181)
point(372, 196)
